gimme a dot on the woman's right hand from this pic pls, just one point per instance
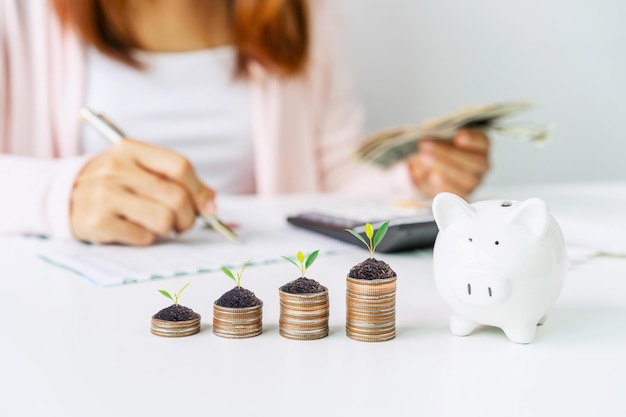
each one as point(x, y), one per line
point(134, 192)
point(458, 166)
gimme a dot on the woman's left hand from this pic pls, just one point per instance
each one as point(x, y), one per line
point(457, 166)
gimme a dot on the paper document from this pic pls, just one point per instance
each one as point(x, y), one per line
point(265, 237)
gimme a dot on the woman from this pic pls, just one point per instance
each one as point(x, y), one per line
point(250, 96)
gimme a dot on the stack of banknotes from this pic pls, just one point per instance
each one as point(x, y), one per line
point(390, 146)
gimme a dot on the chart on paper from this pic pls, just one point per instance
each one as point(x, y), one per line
point(265, 237)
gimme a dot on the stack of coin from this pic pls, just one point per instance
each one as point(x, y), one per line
point(237, 323)
point(371, 309)
point(168, 328)
point(304, 316)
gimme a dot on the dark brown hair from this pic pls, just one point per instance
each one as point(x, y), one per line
point(273, 32)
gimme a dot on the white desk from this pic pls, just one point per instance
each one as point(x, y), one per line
point(70, 349)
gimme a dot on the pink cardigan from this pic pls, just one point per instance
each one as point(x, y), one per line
point(304, 129)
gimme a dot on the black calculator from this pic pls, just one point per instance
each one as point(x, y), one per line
point(411, 224)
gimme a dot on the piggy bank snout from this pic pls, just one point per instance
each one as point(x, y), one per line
point(482, 287)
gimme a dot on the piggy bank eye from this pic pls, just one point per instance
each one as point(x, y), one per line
point(470, 239)
point(497, 242)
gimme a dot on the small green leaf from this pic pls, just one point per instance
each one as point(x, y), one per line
point(291, 260)
point(183, 289)
point(167, 294)
point(369, 230)
point(300, 256)
point(228, 273)
point(358, 236)
point(380, 233)
point(245, 266)
point(311, 258)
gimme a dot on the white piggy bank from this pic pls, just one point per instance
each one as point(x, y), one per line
point(497, 263)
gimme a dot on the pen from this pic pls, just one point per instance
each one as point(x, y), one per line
point(115, 135)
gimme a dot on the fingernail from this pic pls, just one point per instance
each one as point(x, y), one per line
point(426, 146)
point(463, 138)
point(428, 160)
point(210, 207)
point(436, 179)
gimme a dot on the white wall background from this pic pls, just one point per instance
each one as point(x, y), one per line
point(416, 59)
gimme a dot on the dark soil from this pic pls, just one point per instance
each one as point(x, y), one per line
point(176, 312)
point(371, 268)
point(303, 286)
point(238, 297)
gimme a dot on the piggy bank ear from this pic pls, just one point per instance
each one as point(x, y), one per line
point(532, 214)
point(449, 208)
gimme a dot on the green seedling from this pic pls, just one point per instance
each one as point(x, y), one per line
point(304, 264)
point(237, 275)
point(176, 294)
point(374, 239)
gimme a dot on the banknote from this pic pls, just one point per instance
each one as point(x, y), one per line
point(390, 146)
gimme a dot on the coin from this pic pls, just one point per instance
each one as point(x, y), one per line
point(313, 335)
point(237, 323)
point(166, 328)
point(304, 316)
point(371, 309)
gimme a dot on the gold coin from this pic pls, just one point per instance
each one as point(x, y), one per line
point(302, 298)
point(305, 336)
point(313, 315)
point(303, 316)
point(237, 323)
point(166, 328)
point(377, 338)
point(371, 309)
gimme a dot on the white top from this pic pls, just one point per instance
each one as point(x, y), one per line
point(185, 101)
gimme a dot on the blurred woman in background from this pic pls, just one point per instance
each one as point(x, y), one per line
point(216, 96)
